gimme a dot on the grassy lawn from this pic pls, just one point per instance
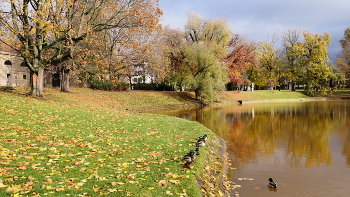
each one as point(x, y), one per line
point(95, 143)
point(87, 144)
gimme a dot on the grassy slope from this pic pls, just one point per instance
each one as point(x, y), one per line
point(87, 144)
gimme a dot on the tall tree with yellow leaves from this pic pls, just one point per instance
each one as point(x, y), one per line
point(269, 63)
point(316, 69)
point(293, 53)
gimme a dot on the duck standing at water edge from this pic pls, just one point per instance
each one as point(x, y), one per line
point(204, 137)
point(200, 143)
point(196, 152)
point(272, 184)
point(189, 158)
point(201, 140)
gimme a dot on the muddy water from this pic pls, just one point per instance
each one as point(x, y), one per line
point(303, 146)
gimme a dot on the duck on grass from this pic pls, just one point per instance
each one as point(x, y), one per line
point(191, 156)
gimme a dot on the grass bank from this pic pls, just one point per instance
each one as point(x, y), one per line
point(95, 143)
point(91, 143)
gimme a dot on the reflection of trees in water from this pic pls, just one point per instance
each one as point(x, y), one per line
point(214, 119)
point(346, 149)
point(303, 133)
point(303, 130)
point(344, 133)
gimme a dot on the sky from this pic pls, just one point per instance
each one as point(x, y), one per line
point(257, 19)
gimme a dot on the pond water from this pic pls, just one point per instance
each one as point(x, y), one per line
point(303, 146)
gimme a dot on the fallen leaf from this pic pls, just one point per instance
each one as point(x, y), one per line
point(162, 182)
point(49, 181)
point(175, 181)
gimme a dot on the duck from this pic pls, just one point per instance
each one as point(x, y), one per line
point(200, 143)
point(189, 158)
point(196, 152)
point(204, 137)
point(272, 183)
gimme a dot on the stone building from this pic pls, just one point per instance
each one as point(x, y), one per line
point(13, 70)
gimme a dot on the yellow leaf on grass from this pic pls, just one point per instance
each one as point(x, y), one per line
point(117, 183)
point(2, 184)
point(14, 188)
point(49, 187)
point(151, 188)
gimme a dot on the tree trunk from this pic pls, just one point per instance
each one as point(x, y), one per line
point(64, 79)
point(38, 83)
point(130, 82)
point(198, 95)
point(293, 85)
point(331, 84)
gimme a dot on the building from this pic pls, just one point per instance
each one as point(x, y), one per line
point(13, 70)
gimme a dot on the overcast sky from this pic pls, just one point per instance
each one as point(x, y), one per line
point(256, 19)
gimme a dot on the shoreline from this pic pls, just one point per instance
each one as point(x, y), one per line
point(220, 149)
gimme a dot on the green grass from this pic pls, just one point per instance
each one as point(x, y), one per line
point(87, 144)
point(95, 143)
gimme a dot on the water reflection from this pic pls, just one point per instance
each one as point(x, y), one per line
point(287, 138)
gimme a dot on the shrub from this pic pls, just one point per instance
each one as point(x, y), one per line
point(121, 86)
point(164, 87)
point(144, 86)
point(153, 86)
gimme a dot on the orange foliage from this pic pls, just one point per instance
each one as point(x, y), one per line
point(240, 58)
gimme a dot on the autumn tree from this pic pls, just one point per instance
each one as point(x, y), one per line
point(269, 63)
point(293, 53)
point(46, 32)
point(343, 61)
point(125, 53)
point(316, 70)
point(200, 58)
point(150, 57)
point(175, 40)
point(240, 58)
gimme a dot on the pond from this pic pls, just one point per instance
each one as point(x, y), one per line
point(304, 146)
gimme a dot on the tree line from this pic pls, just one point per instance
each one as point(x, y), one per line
point(117, 39)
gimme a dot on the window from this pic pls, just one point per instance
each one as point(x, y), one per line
point(8, 62)
point(8, 76)
point(24, 76)
point(23, 64)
